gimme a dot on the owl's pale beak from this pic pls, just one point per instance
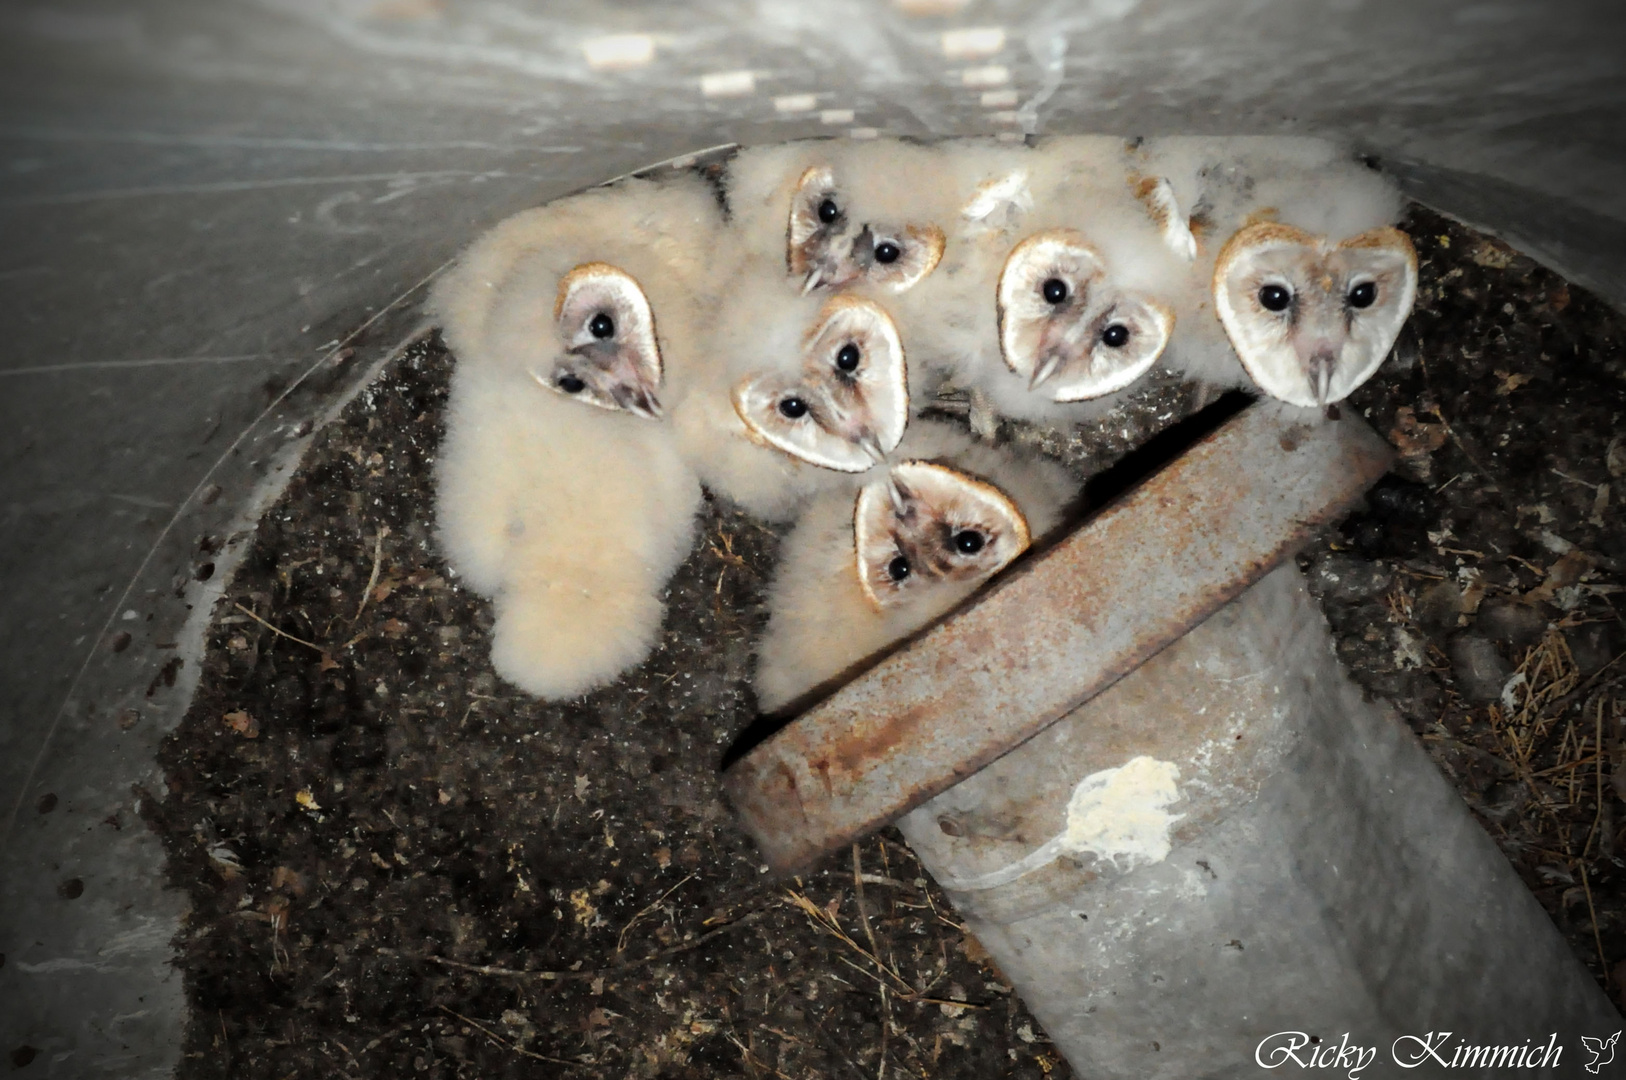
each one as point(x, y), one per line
point(1320, 367)
point(900, 497)
point(636, 399)
point(815, 278)
point(1047, 366)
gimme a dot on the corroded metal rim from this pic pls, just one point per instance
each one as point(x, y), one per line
point(1054, 632)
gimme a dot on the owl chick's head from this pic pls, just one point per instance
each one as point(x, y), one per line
point(607, 354)
point(845, 406)
point(1312, 320)
point(829, 245)
point(924, 527)
point(1066, 328)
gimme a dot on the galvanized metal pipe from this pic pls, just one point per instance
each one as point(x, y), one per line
point(1154, 795)
point(1235, 845)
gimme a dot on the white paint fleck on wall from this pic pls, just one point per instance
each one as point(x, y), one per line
point(721, 84)
point(992, 75)
point(931, 7)
point(973, 42)
point(796, 103)
point(618, 52)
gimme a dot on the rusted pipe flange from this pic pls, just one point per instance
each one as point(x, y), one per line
point(1053, 632)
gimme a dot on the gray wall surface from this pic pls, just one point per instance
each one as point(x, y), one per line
point(203, 200)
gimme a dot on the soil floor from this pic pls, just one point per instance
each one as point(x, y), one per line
point(400, 866)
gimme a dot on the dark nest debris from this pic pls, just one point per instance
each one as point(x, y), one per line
point(399, 866)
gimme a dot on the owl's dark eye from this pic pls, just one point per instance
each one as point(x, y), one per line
point(887, 252)
point(1363, 295)
point(898, 568)
point(793, 408)
point(969, 541)
point(847, 357)
point(1115, 336)
point(571, 385)
point(1274, 298)
point(602, 326)
point(1055, 290)
point(829, 211)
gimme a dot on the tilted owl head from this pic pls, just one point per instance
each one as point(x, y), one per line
point(845, 403)
point(1066, 326)
point(831, 243)
point(924, 526)
point(607, 353)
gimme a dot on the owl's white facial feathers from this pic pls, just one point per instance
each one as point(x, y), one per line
point(846, 408)
point(924, 524)
point(829, 246)
point(1064, 327)
point(608, 355)
point(1311, 320)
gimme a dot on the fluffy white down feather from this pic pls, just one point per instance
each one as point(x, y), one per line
point(821, 624)
point(570, 517)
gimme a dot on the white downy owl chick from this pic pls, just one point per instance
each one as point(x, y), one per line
point(1299, 281)
point(986, 191)
point(841, 212)
point(559, 490)
point(861, 572)
point(797, 392)
point(1068, 302)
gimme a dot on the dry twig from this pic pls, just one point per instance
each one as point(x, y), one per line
point(281, 633)
point(621, 942)
point(372, 579)
point(515, 1047)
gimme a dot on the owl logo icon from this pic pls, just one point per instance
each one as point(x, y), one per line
point(1602, 1051)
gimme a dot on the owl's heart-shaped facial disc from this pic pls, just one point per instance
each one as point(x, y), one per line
point(1065, 328)
point(828, 245)
point(608, 355)
point(925, 526)
point(1311, 320)
point(847, 405)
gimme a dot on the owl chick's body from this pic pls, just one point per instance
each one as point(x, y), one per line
point(570, 513)
point(1223, 185)
point(842, 212)
point(824, 619)
point(1057, 291)
point(771, 416)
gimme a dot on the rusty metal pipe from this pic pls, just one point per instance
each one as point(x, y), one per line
point(1139, 771)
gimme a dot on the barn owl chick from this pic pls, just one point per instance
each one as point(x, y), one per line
point(1312, 320)
point(1067, 301)
point(799, 390)
point(862, 570)
point(841, 212)
point(560, 494)
point(1222, 188)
